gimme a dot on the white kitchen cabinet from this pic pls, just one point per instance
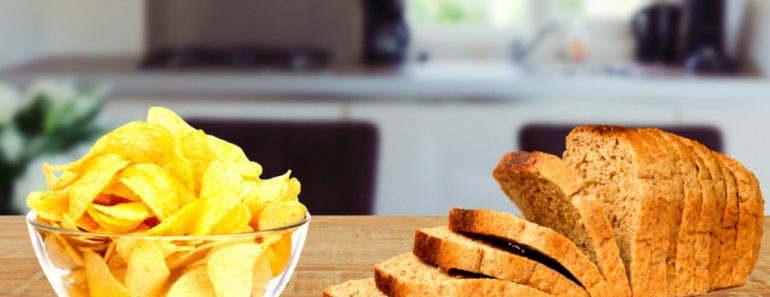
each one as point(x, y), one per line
point(435, 156)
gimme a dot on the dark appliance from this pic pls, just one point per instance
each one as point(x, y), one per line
point(656, 29)
point(705, 47)
point(386, 35)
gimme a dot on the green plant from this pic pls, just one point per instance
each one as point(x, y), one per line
point(55, 117)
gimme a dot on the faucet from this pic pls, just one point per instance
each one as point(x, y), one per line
point(521, 50)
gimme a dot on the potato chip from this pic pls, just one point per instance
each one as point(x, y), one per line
point(98, 173)
point(77, 277)
point(146, 273)
point(110, 251)
point(266, 191)
point(231, 268)
point(262, 276)
point(131, 211)
point(119, 273)
point(154, 186)
point(100, 279)
point(109, 224)
point(281, 213)
point(194, 283)
point(119, 189)
point(234, 220)
point(76, 291)
point(234, 156)
point(58, 254)
point(279, 254)
point(139, 142)
point(220, 189)
point(183, 259)
point(169, 120)
point(49, 205)
point(181, 223)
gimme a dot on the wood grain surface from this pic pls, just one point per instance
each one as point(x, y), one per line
point(338, 248)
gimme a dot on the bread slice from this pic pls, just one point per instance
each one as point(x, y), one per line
point(712, 204)
point(749, 231)
point(623, 170)
point(681, 166)
point(405, 275)
point(530, 236)
point(354, 288)
point(686, 213)
point(727, 231)
point(546, 190)
point(448, 250)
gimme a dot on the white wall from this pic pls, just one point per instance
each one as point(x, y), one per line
point(22, 31)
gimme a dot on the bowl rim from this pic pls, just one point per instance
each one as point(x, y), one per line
point(32, 215)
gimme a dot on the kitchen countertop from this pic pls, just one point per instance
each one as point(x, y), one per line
point(338, 248)
point(463, 81)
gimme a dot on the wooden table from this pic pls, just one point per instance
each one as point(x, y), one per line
point(338, 248)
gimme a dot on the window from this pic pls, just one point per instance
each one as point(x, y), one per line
point(486, 29)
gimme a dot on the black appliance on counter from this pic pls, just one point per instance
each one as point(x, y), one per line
point(691, 34)
point(386, 35)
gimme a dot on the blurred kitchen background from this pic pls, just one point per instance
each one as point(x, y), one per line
point(381, 106)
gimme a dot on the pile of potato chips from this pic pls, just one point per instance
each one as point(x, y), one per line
point(163, 177)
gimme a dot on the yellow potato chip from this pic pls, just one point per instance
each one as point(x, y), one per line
point(130, 211)
point(281, 213)
point(110, 251)
point(169, 120)
point(100, 279)
point(87, 223)
point(75, 291)
point(146, 273)
point(58, 254)
point(279, 254)
point(231, 268)
point(77, 277)
point(139, 142)
point(119, 273)
point(275, 189)
point(194, 283)
point(234, 156)
point(156, 188)
point(184, 258)
point(219, 195)
point(98, 173)
point(49, 205)
point(181, 223)
point(236, 219)
point(119, 189)
point(262, 276)
point(66, 179)
point(109, 224)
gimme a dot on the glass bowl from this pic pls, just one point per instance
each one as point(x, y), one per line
point(93, 264)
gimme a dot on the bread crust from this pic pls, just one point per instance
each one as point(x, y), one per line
point(390, 280)
point(443, 248)
point(531, 236)
point(728, 232)
point(549, 170)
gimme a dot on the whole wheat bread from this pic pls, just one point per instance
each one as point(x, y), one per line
point(405, 275)
point(622, 171)
point(728, 231)
point(354, 288)
point(441, 247)
point(542, 240)
point(547, 192)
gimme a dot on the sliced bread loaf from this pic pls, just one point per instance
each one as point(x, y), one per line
point(728, 230)
point(354, 288)
point(685, 215)
point(542, 240)
point(749, 231)
point(546, 190)
point(405, 275)
point(712, 204)
point(623, 170)
point(448, 250)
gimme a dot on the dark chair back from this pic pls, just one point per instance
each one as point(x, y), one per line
point(336, 162)
point(549, 138)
